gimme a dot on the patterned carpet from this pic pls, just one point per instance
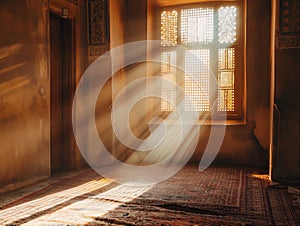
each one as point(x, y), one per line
point(282, 208)
point(217, 196)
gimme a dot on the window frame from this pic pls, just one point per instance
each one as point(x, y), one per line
point(239, 114)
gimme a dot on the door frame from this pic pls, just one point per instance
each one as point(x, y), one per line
point(69, 157)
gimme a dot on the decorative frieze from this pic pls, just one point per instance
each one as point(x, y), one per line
point(289, 16)
point(75, 2)
point(98, 50)
point(98, 22)
point(288, 35)
point(288, 42)
point(98, 29)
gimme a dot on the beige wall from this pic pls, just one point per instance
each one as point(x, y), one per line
point(24, 85)
point(25, 91)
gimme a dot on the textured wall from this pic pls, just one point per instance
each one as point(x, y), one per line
point(25, 86)
point(286, 151)
point(24, 114)
point(287, 98)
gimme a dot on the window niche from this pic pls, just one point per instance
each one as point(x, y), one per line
point(212, 34)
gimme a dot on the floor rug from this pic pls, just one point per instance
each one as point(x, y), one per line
point(214, 188)
point(217, 196)
point(283, 210)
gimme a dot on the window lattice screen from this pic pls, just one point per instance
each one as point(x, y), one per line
point(226, 68)
point(197, 25)
point(168, 70)
point(169, 28)
point(197, 79)
point(227, 24)
point(197, 32)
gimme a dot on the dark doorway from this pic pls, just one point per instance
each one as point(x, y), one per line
point(62, 90)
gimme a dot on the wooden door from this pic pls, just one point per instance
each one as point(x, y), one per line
point(62, 90)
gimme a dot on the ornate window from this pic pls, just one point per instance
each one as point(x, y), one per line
point(213, 39)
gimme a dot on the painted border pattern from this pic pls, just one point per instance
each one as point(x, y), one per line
point(289, 24)
point(75, 2)
point(98, 18)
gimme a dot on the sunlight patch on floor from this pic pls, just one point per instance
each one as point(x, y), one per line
point(261, 176)
point(37, 206)
point(85, 211)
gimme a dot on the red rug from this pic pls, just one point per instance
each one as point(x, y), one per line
point(282, 208)
point(217, 196)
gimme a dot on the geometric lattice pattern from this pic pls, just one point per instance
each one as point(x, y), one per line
point(197, 79)
point(169, 28)
point(227, 24)
point(226, 70)
point(203, 31)
point(197, 25)
point(168, 71)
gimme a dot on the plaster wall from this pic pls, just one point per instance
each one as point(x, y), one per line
point(25, 87)
point(287, 98)
point(24, 82)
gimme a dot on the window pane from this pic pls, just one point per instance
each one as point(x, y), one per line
point(226, 72)
point(197, 25)
point(197, 79)
point(168, 70)
point(169, 28)
point(168, 62)
point(200, 30)
point(227, 24)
